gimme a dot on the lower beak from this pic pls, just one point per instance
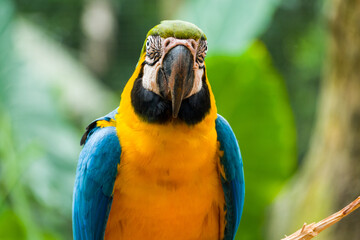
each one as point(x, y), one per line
point(179, 75)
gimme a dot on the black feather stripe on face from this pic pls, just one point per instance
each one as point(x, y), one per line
point(155, 109)
point(194, 109)
point(148, 105)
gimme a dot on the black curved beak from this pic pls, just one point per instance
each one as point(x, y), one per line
point(179, 76)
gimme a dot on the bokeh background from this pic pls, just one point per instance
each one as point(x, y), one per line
point(64, 63)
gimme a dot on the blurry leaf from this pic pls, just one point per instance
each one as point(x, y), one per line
point(46, 105)
point(6, 14)
point(75, 89)
point(296, 42)
point(11, 226)
point(42, 104)
point(252, 97)
point(229, 25)
point(50, 236)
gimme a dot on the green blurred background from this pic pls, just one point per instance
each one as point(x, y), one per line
point(64, 63)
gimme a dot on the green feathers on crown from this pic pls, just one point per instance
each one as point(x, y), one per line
point(177, 29)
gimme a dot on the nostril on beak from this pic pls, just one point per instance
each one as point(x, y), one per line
point(166, 43)
point(193, 44)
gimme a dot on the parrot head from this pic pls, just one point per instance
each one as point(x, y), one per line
point(171, 85)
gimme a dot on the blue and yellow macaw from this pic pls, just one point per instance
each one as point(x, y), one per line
point(164, 164)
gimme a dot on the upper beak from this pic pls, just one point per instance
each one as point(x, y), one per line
point(179, 75)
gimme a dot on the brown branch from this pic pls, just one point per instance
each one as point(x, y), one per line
point(313, 229)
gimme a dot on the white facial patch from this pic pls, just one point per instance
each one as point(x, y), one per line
point(198, 73)
point(159, 47)
point(150, 76)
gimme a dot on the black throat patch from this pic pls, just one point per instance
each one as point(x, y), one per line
point(155, 109)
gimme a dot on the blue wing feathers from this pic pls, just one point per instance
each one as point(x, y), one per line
point(233, 183)
point(95, 177)
point(97, 170)
point(92, 126)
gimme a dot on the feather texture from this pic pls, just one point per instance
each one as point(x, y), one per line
point(233, 179)
point(95, 177)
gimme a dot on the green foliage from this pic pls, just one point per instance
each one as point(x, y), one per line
point(39, 130)
point(60, 18)
point(251, 95)
point(230, 26)
point(11, 226)
point(299, 56)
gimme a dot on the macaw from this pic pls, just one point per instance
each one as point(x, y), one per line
point(164, 164)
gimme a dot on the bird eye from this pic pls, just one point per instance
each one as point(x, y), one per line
point(153, 49)
point(148, 44)
point(201, 53)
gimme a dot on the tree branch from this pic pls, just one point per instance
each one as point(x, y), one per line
point(313, 229)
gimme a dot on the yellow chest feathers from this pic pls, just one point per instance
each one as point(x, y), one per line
point(168, 185)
